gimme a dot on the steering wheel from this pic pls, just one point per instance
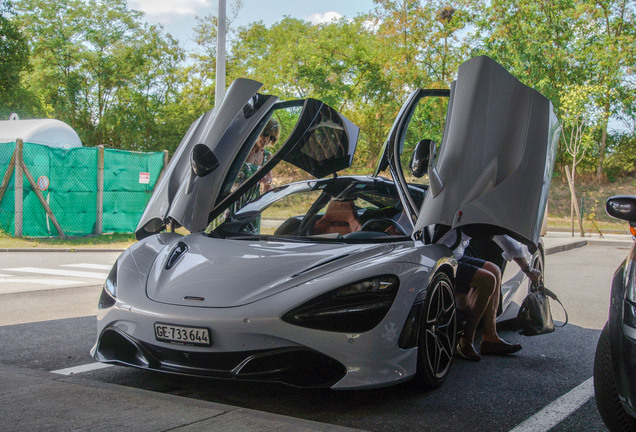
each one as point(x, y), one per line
point(382, 225)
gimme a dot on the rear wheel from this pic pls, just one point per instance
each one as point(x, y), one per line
point(438, 333)
point(537, 263)
point(609, 405)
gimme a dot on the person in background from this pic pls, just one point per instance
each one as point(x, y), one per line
point(257, 157)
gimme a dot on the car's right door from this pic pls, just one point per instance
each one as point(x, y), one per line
point(495, 158)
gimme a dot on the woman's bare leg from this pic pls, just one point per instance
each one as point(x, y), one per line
point(490, 314)
point(484, 283)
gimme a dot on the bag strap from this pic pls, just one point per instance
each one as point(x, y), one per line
point(547, 292)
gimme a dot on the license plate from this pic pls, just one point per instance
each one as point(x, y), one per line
point(181, 334)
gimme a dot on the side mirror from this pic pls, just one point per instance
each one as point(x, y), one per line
point(420, 158)
point(202, 160)
point(622, 207)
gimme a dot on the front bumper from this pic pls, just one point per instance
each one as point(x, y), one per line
point(298, 367)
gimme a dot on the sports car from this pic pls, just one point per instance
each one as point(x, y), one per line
point(332, 281)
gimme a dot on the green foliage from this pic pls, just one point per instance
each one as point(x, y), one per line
point(621, 159)
point(14, 59)
point(584, 44)
point(118, 81)
point(98, 67)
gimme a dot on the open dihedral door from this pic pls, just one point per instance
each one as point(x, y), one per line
point(202, 175)
point(496, 155)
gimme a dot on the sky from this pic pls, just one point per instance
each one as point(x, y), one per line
point(178, 16)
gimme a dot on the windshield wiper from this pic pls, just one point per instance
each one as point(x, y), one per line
point(270, 237)
point(289, 239)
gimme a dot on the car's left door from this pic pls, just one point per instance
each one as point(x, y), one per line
point(202, 176)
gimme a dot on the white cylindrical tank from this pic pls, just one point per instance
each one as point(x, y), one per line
point(49, 132)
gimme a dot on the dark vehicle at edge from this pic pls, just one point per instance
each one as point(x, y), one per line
point(615, 359)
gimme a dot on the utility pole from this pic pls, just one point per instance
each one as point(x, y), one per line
point(219, 92)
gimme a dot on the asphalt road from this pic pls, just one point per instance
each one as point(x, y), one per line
point(54, 329)
point(40, 286)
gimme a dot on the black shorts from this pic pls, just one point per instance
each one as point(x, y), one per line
point(466, 268)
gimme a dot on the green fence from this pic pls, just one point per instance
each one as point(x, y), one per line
point(81, 191)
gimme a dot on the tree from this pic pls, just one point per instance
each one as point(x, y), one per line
point(100, 68)
point(336, 62)
point(573, 43)
point(424, 42)
point(609, 39)
point(421, 45)
point(579, 116)
point(14, 59)
point(534, 40)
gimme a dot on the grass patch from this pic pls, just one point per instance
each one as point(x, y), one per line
point(105, 241)
point(606, 227)
point(591, 198)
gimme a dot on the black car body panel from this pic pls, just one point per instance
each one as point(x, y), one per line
point(615, 358)
point(622, 325)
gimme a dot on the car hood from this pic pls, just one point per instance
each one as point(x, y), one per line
point(200, 271)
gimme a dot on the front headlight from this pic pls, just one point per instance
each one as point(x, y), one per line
point(109, 291)
point(353, 308)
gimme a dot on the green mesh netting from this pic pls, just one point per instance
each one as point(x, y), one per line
point(68, 180)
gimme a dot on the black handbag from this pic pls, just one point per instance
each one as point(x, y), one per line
point(535, 316)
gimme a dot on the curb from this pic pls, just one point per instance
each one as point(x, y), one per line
point(202, 414)
point(565, 247)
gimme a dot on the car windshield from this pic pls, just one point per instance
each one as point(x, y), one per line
point(345, 209)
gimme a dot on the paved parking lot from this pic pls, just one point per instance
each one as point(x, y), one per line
point(552, 373)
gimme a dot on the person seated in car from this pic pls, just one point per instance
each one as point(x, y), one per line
point(478, 288)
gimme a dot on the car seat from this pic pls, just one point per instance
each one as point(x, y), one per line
point(340, 217)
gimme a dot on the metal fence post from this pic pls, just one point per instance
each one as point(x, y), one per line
point(99, 222)
point(166, 159)
point(18, 189)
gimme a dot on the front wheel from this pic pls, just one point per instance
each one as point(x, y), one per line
point(438, 333)
point(609, 405)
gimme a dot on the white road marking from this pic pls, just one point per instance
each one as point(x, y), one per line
point(82, 368)
point(89, 266)
point(45, 284)
point(558, 410)
point(53, 282)
point(71, 273)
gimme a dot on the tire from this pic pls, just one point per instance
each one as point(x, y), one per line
point(437, 334)
point(537, 263)
point(609, 405)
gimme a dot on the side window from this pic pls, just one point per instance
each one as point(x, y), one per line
point(260, 147)
point(304, 136)
point(427, 122)
point(364, 204)
point(285, 216)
